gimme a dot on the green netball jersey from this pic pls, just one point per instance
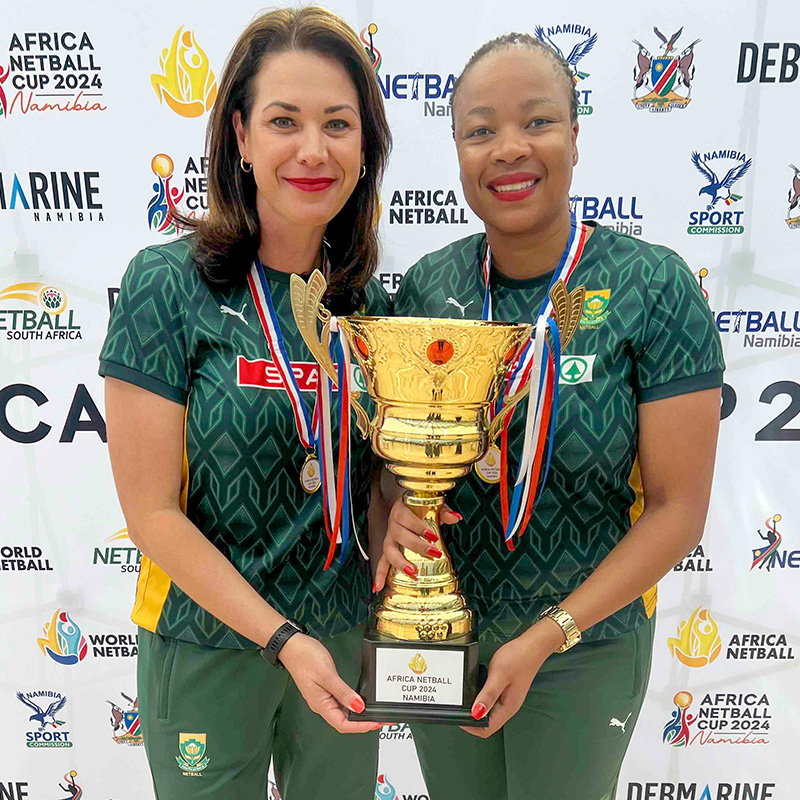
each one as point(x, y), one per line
point(646, 333)
point(173, 335)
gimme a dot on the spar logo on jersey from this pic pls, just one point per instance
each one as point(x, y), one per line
point(572, 42)
point(263, 374)
point(769, 555)
point(186, 83)
point(721, 171)
point(761, 329)
point(52, 196)
point(384, 790)
point(664, 82)
point(720, 719)
point(185, 193)
point(48, 726)
point(53, 71)
point(118, 552)
point(616, 212)
point(698, 642)
point(794, 199)
point(33, 311)
point(696, 561)
point(63, 640)
point(23, 558)
point(125, 723)
point(412, 85)
point(426, 207)
point(700, 791)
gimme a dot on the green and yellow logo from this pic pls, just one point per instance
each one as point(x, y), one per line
point(595, 307)
point(576, 369)
point(192, 759)
point(48, 319)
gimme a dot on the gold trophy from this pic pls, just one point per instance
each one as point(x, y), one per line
point(432, 382)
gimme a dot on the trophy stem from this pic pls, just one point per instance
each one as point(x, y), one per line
point(427, 607)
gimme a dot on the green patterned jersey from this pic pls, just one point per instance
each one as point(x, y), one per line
point(173, 335)
point(646, 333)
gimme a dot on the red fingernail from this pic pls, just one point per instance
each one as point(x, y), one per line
point(431, 537)
point(478, 711)
point(357, 705)
point(434, 553)
point(375, 587)
point(409, 570)
point(460, 517)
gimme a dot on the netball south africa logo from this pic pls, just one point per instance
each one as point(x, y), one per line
point(186, 82)
point(63, 640)
point(698, 642)
point(676, 731)
point(794, 200)
point(664, 82)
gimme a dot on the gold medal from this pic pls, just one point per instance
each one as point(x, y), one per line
point(488, 468)
point(311, 474)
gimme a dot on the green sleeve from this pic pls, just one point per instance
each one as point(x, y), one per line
point(146, 342)
point(681, 350)
point(378, 303)
point(404, 299)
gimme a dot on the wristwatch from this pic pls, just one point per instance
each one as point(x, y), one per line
point(279, 639)
point(564, 619)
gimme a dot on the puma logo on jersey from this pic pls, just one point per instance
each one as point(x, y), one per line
point(615, 723)
point(240, 314)
point(451, 301)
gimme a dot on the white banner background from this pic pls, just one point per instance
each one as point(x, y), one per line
point(57, 492)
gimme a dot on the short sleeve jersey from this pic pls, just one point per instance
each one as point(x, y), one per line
point(646, 333)
point(173, 335)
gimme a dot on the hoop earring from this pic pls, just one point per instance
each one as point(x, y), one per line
point(363, 172)
point(248, 167)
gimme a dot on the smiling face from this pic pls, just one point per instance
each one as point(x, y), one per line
point(515, 140)
point(303, 138)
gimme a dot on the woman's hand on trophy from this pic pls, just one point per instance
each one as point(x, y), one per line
point(511, 672)
point(312, 668)
point(406, 529)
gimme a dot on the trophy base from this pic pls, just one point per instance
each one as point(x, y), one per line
point(405, 681)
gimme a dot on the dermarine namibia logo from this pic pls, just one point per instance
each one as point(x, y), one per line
point(580, 40)
point(698, 642)
point(186, 82)
point(661, 83)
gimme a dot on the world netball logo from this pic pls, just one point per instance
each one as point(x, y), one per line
point(676, 731)
point(163, 204)
point(63, 640)
point(372, 51)
point(384, 790)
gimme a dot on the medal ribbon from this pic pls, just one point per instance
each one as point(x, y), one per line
point(540, 363)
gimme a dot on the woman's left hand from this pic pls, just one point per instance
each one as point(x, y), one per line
point(511, 672)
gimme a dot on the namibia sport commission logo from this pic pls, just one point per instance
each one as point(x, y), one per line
point(48, 319)
point(794, 199)
point(721, 169)
point(722, 718)
point(572, 42)
point(63, 640)
point(186, 83)
point(428, 87)
point(191, 190)
point(664, 82)
point(49, 728)
point(50, 72)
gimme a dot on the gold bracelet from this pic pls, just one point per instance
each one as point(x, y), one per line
point(567, 624)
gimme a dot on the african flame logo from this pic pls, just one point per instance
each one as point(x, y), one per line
point(383, 789)
point(48, 298)
point(676, 731)
point(698, 642)
point(63, 640)
point(418, 665)
point(187, 85)
point(164, 202)
point(374, 54)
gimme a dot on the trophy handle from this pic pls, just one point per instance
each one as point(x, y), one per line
point(567, 310)
point(306, 307)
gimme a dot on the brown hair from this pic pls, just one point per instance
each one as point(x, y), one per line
point(509, 40)
point(227, 240)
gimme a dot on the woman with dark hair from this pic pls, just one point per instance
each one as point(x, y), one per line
point(565, 600)
point(249, 641)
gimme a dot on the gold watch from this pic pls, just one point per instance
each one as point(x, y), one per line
point(564, 619)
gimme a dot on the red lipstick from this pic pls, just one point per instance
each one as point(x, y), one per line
point(524, 184)
point(311, 184)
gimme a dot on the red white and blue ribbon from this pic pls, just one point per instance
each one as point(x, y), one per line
point(539, 362)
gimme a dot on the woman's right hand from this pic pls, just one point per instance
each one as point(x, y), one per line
point(406, 529)
point(312, 668)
